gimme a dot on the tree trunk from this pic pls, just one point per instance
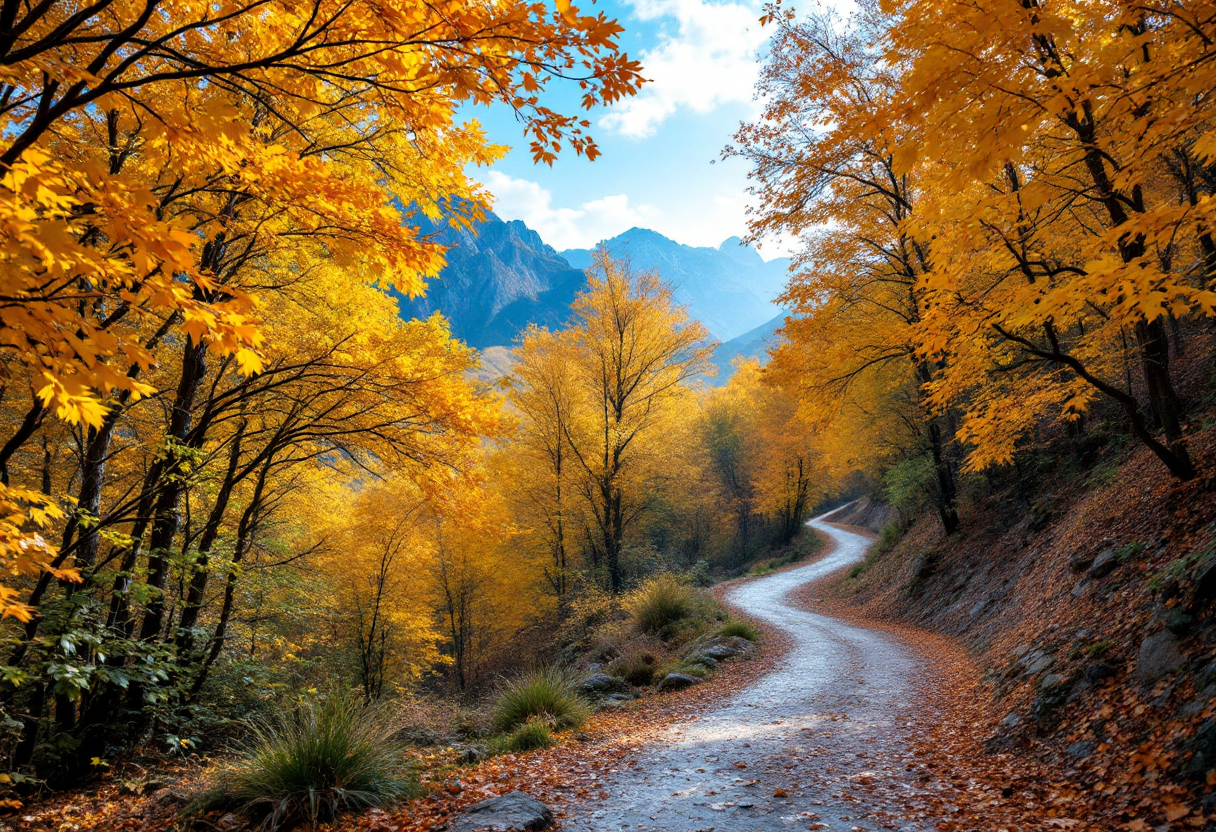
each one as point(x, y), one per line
point(165, 518)
point(199, 569)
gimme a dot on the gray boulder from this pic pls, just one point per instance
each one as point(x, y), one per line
point(1080, 749)
point(1079, 561)
point(1159, 655)
point(512, 812)
point(1053, 680)
point(613, 700)
point(1104, 564)
point(728, 647)
point(1205, 584)
point(1053, 693)
point(1202, 748)
point(471, 755)
point(601, 684)
point(1029, 661)
point(677, 681)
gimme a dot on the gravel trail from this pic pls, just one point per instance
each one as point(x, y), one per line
point(819, 743)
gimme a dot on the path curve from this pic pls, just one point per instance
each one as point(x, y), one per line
point(826, 728)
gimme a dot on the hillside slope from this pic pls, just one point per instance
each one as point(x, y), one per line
point(1090, 608)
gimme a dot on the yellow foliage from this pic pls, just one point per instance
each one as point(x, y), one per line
point(24, 553)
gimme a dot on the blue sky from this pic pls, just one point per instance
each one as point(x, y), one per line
point(660, 166)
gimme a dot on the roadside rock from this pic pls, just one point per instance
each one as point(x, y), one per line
point(1078, 562)
point(614, 700)
point(472, 755)
point(1203, 752)
point(1206, 677)
point(1179, 622)
point(1097, 672)
point(601, 684)
point(1104, 564)
point(1081, 749)
point(677, 681)
point(1159, 655)
point(170, 796)
point(512, 812)
point(1205, 585)
point(419, 736)
point(1029, 661)
point(728, 648)
point(1053, 693)
point(1052, 680)
point(924, 567)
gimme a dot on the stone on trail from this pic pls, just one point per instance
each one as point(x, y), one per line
point(677, 681)
point(512, 812)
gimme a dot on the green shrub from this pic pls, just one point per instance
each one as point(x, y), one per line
point(888, 539)
point(308, 765)
point(661, 603)
point(909, 483)
point(636, 669)
point(547, 694)
point(738, 628)
point(530, 736)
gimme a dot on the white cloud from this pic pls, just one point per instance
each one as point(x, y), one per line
point(563, 228)
point(710, 60)
point(706, 224)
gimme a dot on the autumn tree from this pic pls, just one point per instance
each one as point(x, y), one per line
point(725, 428)
point(156, 180)
point(1070, 218)
point(633, 348)
point(595, 400)
point(786, 474)
point(543, 476)
point(763, 456)
point(824, 163)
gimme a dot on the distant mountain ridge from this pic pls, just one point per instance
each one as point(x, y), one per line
point(501, 276)
point(751, 344)
point(731, 289)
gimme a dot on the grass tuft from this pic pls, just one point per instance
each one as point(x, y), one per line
point(308, 765)
point(738, 628)
point(636, 669)
point(549, 694)
point(530, 736)
point(661, 603)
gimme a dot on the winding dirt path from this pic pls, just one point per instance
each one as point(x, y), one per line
point(819, 743)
